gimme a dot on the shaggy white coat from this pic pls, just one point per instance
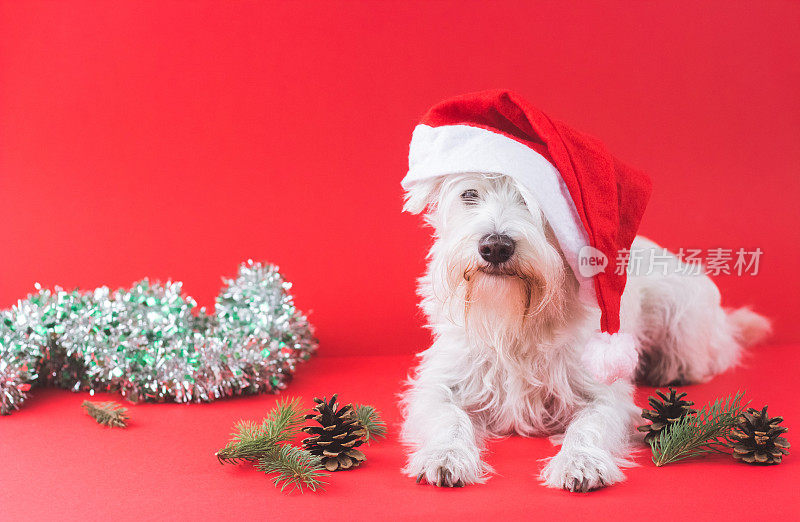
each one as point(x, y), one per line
point(506, 355)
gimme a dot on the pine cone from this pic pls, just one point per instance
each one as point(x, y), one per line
point(664, 412)
point(756, 438)
point(335, 441)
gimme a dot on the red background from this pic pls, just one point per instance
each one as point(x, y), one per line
point(176, 139)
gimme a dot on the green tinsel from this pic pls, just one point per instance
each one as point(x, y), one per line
point(149, 342)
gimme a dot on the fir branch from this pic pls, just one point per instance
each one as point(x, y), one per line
point(107, 413)
point(252, 441)
point(293, 468)
point(284, 421)
point(697, 434)
point(370, 419)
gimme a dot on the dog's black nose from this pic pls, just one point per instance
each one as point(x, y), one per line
point(496, 248)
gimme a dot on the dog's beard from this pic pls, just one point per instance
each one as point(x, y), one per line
point(500, 306)
point(497, 306)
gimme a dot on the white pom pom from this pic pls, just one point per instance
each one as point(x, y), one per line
point(611, 356)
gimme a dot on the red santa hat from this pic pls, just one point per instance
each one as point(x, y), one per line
point(592, 201)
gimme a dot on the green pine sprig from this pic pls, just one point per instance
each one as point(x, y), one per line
point(294, 468)
point(698, 434)
point(370, 419)
point(290, 467)
point(267, 444)
point(252, 441)
point(107, 413)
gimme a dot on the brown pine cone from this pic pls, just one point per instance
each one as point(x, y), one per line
point(756, 439)
point(664, 412)
point(336, 439)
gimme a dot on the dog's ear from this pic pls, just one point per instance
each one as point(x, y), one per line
point(422, 195)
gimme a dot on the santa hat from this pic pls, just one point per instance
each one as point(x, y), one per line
point(592, 201)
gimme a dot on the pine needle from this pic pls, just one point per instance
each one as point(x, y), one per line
point(107, 413)
point(293, 468)
point(370, 419)
point(252, 441)
point(284, 421)
point(698, 434)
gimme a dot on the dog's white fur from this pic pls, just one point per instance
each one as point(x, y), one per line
point(506, 355)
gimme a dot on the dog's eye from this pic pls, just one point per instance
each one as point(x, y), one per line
point(470, 196)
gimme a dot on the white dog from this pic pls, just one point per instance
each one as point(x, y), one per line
point(509, 330)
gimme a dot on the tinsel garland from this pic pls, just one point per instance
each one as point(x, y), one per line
point(150, 343)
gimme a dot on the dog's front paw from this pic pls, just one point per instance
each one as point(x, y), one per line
point(446, 467)
point(581, 470)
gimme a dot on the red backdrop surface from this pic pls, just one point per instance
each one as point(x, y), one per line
point(176, 139)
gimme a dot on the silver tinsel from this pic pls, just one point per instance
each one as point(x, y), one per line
point(148, 344)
